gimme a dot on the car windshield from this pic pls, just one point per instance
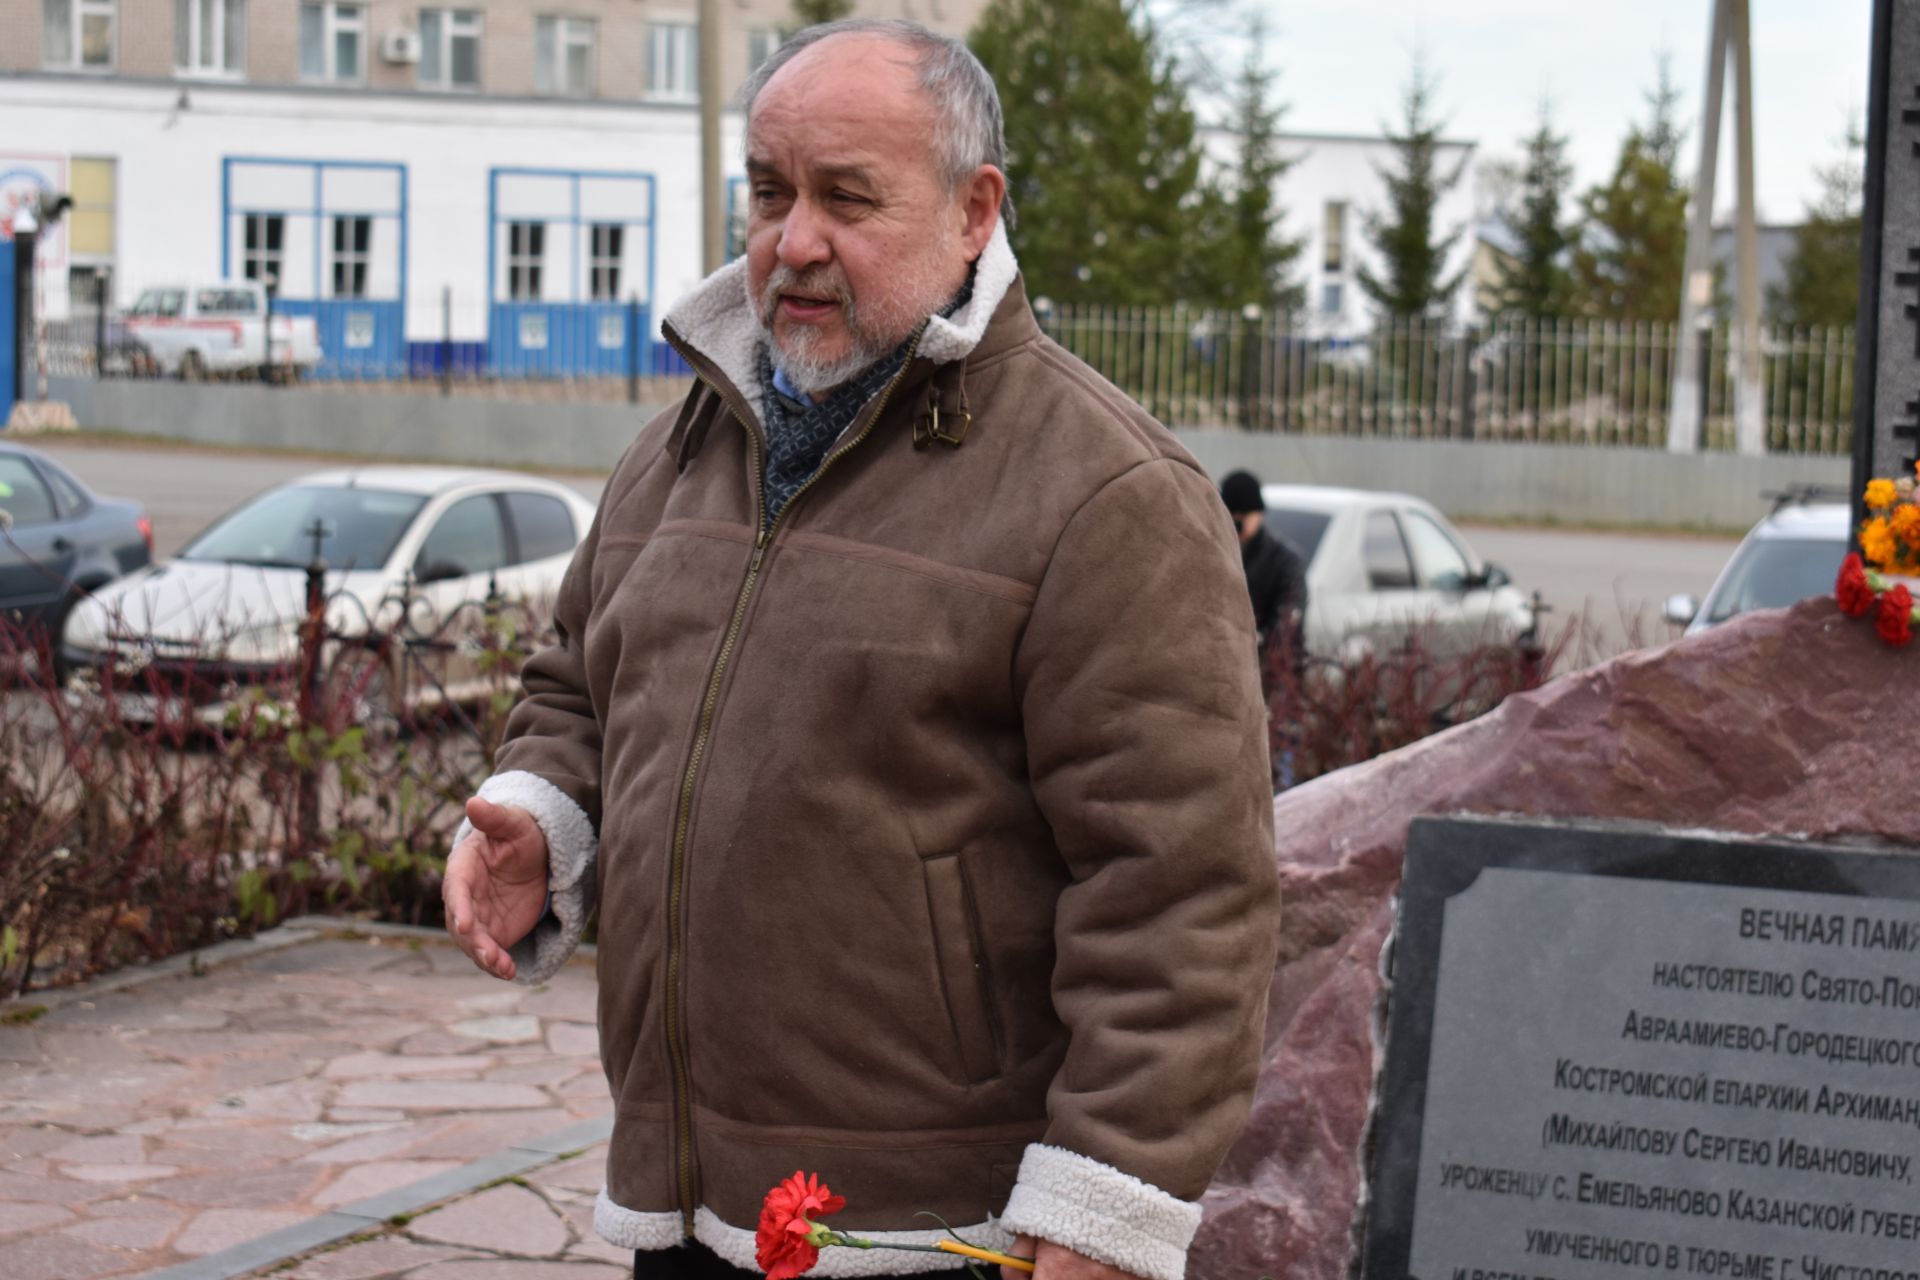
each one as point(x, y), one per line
point(275, 530)
point(1774, 573)
point(1300, 529)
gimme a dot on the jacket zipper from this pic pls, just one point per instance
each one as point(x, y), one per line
point(763, 536)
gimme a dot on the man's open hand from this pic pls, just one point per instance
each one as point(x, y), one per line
point(1057, 1262)
point(496, 884)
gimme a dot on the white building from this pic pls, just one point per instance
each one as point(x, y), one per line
point(1326, 196)
point(505, 187)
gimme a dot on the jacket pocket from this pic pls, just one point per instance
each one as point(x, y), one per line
point(963, 975)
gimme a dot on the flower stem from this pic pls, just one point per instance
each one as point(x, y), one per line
point(985, 1255)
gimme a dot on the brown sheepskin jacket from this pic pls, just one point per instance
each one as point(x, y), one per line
point(930, 824)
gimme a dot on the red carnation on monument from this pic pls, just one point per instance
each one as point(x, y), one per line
point(783, 1245)
point(1895, 622)
point(1851, 590)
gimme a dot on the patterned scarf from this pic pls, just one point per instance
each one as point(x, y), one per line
point(799, 434)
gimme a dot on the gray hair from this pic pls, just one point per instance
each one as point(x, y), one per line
point(969, 130)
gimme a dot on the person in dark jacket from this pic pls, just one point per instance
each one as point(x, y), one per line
point(1276, 575)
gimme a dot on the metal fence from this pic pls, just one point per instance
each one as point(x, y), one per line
point(1562, 382)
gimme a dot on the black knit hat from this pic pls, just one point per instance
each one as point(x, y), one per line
point(1241, 492)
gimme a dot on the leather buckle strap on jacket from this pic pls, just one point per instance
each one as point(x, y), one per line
point(946, 417)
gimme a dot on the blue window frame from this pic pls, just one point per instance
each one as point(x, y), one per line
point(335, 232)
point(570, 272)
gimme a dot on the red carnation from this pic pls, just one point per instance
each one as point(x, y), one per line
point(1852, 591)
point(1895, 622)
point(781, 1246)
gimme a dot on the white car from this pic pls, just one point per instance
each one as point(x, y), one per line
point(195, 330)
point(1386, 570)
point(181, 638)
point(1794, 553)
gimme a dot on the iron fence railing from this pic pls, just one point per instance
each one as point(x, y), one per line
point(1560, 381)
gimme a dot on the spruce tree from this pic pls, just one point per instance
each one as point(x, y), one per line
point(1822, 284)
point(1251, 262)
point(1412, 284)
point(1537, 284)
point(1103, 164)
point(1633, 236)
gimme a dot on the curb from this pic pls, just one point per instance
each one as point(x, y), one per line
point(374, 1213)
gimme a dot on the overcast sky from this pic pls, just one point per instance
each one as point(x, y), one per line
point(1343, 63)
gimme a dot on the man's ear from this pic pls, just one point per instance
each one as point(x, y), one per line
point(979, 202)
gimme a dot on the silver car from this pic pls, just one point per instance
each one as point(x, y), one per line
point(1386, 571)
point(179, 639)
point(1793, 553)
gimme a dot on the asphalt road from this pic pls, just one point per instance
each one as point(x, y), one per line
point(1612, 583)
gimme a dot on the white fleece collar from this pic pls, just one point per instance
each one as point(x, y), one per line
point(717, 318)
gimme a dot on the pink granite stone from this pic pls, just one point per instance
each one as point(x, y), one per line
point(400, 1066)
point(502, 1219)
point(573, 1040)
point(449, 1095)
point(364, 1180)
point(15, 1218)
point(1787, 723)
point(218, 1229)
point(371, 1260)
point(110, 1150)
point(142, 1233)
point(516, 1270)
point(57, 1257)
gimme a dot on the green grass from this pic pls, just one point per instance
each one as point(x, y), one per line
point(23, 1017)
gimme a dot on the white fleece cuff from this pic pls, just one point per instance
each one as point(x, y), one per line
point(572, 848)
point(1096, 1210)
point(629, 1229)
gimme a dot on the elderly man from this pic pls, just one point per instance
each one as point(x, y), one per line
point(903, 725)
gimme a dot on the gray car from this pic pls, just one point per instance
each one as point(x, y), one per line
point(58, 541)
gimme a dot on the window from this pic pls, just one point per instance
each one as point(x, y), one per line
point(449, 49)
point(1388, 568)
point(673, 69)
point(468, 539)
point(363, 526)
point(604, 260)
point(1332, 294)
point(90, 223)
point(65, 491)
point(77, 35)
point(761, 42)
point(260, 253)
point(224, 302)
point(1334, 236)
point(210, 37)
point(333, 42)
point(164, 304)
point(1441, 564)
point(563, 57)
point(352, 239)
point(22, 494)
point(526, 243)
point(1300, 530)
point(542, 523)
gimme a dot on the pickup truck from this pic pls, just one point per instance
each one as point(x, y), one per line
point(196, 330)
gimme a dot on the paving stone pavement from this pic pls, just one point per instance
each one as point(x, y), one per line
point(326, 1103)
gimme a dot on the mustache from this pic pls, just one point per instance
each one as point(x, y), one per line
point(815, 282)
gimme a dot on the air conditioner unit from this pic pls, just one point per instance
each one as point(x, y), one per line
point(400, 46)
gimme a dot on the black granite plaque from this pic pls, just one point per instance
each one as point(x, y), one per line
point(1887, 390)
point(1618, 1051)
